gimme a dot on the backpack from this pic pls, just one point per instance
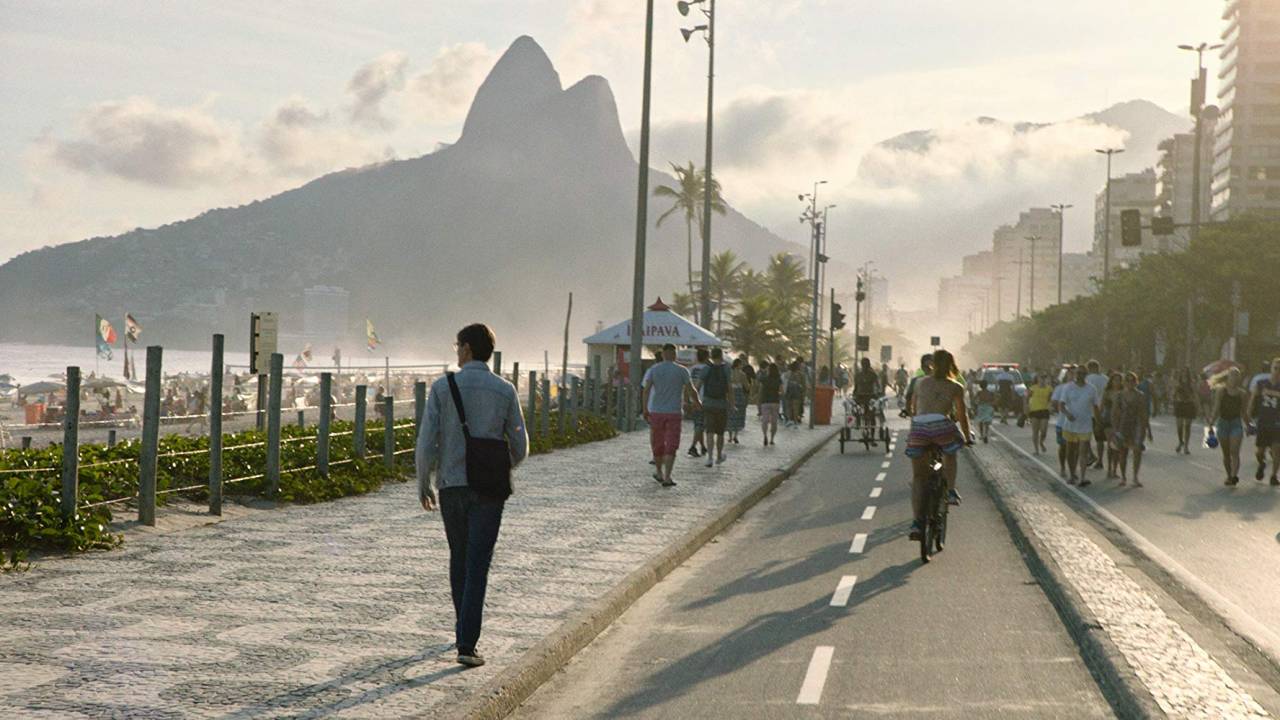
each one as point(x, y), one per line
point(715, 383)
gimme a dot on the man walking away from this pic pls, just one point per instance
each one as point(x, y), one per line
point(1098, 382)
point(471, 520)
point(715, 404)
point(665, 388)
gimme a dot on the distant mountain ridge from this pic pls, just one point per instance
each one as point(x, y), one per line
point(534, 200)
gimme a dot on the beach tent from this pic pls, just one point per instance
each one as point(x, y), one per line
point(661, 325)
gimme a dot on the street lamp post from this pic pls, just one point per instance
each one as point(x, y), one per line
point(709, 32)
point(1106, 223)
point(1033, 239)
point(1062, 240)
point(819, 258)
point(642, 223)
point(1197, 110)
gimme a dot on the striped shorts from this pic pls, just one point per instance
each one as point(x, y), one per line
point(933, 430)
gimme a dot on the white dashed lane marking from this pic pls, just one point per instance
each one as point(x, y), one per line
point(881, 477)
point(875, 492)
point(884, 465)
point(859, 543)
point(843, 591)
point(869, 513)
point(816, 676)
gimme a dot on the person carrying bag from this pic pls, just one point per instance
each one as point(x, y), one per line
point(488, 460)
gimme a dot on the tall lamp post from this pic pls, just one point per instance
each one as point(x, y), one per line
point(1197, 111)
point(642, 224)
point(1033, 239)
point(709, 33)
point(1061, 209)
point(1106, 223)
point(822, 281)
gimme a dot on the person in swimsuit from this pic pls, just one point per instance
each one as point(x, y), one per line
point(1130, 426)
point(1184, 409)
point(1230, 416)
point(937, 401)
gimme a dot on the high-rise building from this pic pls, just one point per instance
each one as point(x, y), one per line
point(1175, 184)
point(1135, 191)
point(1246, 167)
point(1013, 263)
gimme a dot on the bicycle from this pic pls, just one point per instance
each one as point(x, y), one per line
point(933, 534)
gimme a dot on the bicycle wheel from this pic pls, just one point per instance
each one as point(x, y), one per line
point(940, 527)
point(936, 512)
point(926, 544)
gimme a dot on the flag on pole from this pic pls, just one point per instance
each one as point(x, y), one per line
point(132, 330)
point(371, 335)
point(106, 336)
point(127, 376)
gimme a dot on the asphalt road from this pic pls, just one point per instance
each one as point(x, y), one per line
point(1228, 537)
point(757, 625)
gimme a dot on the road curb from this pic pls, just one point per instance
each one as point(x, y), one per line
point(1120, 684)
point(514, 685)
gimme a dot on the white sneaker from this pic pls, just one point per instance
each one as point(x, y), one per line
point(709, 460)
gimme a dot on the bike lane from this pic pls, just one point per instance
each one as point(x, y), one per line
point(815, 604)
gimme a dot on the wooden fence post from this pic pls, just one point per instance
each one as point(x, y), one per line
point(111, 438)
point(515, 376)
point(322, 431)
point(562, 409)
point(531, 418)
point(357, 433)
point(302, 418)
point(273, 423)
point(215, 428)
point(419, 406)
point(260, 418)
point(497, 363)
point(545, 416)
point(26, 442)
point(150, 438)
point(389, 431)
point(573, 404)
point(71, 446)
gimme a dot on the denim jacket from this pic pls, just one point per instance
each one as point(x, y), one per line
point(493, 411)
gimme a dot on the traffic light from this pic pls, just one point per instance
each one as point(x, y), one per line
point(837, 317)
point(861, 295)
point(1162, 226)
point(1130, 228)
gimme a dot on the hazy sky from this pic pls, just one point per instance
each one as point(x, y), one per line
point(119, 114)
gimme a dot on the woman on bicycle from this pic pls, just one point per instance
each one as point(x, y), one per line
point(937, 402)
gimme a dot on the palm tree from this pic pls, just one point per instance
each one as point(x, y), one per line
point(688, 197)
point(726, 274)
point(683, 304)
point(752, 329)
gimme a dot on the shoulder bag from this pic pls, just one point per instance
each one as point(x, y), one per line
point(488, 461)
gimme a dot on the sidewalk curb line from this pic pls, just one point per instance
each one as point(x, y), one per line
point(1120, 684)
point(1257, 636)
point(514, 685)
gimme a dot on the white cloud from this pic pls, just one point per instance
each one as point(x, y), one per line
point(371, 84)
point(444, 91)
point(139, 141)
point(300, 141)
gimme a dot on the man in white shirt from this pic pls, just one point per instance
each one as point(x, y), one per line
point(1054, 399)
point(1098, 382)
point(1078, 402)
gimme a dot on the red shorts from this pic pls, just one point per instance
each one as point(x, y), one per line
point(664, 433)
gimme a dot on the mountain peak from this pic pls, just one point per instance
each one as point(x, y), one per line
point(522, 79)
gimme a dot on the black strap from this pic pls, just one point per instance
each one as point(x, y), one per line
point(457, 403)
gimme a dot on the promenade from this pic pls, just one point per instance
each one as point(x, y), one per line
point(342, 609)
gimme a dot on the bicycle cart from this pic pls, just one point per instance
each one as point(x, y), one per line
point(864, 423)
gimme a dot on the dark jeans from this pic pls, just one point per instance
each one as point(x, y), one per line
point(471, 525)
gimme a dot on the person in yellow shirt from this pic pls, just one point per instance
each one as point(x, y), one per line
point(1038, 399)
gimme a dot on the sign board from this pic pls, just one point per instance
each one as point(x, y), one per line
point(935, 341)
point(864, 343)
point(264, 332)
point(1242, 323)
point(886, 353)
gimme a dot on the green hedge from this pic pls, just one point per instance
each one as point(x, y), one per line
point(29, 502)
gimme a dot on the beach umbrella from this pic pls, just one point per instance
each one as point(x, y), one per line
point(44, 386)
point(101, 383)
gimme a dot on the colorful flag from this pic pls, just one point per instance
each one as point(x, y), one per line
point(106, 336)
point(371, 335)
point(132, 330)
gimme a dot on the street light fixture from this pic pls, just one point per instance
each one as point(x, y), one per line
point(1198, 86)
point(1062, 212)
point(1106, 232)
point(816, 223)
point(709, 32)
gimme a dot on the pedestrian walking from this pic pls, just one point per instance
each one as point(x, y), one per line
point(715, 392)
point(1102, 427)
point(1130, 426)
point(985, 402)
point(1229, 417)
point(741, 391)
point(1184, 409)
point(796, 383)
point(1079, 404)
point(1098, 381)
point(472, 435)
point(1055, 401)
point(770, 399)
point(1038, 398)
point(1266, 396)
point(666, 388)
point(699, 446)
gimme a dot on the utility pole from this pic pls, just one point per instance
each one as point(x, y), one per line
point(1033, 239)
point(1198, 87)
point(642, 218)
point(1106, 233)
point(1062, 212)
point(819, 258)
point(1021, 262)
point(999, 280)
